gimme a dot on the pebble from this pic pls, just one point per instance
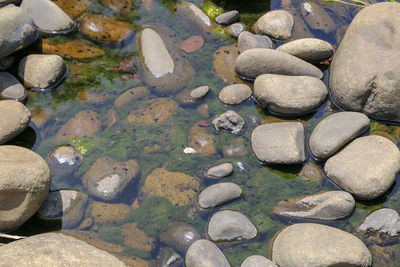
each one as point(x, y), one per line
point(248, 40)
point(229, 121)
point(277, 24)
point(257, 261)
point(180, 236)
point(219, 171)
point(383, 221)
point(11, 88)
point(237, 148)
point(199, 92)
point(85, 123)
point(76, 49)
point(228, 17)
point(131, 95)
point(205, 253)
point(63, 162)
point(234, 94)
point(218, 194)
point(308, 49)
point(158, 110)
point(192, 44)
point(235, 29)
point(192, 15)
point(14, 118)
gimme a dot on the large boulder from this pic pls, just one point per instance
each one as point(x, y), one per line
point(14, 118)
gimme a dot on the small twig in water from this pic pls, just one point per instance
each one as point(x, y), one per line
point(15, 237)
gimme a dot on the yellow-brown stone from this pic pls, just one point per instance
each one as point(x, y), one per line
point(76, 49)
point(136, 238)
point(224, 63)
point(74, 8)
point(201, 141)
point(85, 123)
point(120, 6)
point(107, 213)
point(157, 110)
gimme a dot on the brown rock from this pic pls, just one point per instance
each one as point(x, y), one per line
point(224, 63)
point(119, 6)
point(136, 238)
point(40, 115)
point(107, 213)
point(14, 118)
point(192, 44)
point(76, 49)
point(93, 239)
point(131, 95)
point(201, 141)
point(84, 124)
point(92, 97)
point(74, 8)
point(157, 110)
point(236, 148)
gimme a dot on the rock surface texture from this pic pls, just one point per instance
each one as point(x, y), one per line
point(234, 94)
point(205, 253)
point(229, 121)
point(308, 49)
point(218, 194)
point(257, 261)
point(383, 221)
point(277, 24)
point(14, 118)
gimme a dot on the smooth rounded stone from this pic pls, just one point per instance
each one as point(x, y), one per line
point(205, 253)
point(180, 236)
point(6, 62)
point(228, 17)
point(235, 29)
point(64, 161)
point(383, 221)
point(85, 123)
point(336, 130)
point(316, 245)
point(317, 18)
point(76, 49)
point(63, 206)
point(229, 121)
point(279, 143)
point(55, 249)
point(369, 82)
point(257, 261)
point(234, 94)
point(41, 71)
point(24, 185)
point(192, 44)
point(277, 24)
point(289, 95)
point(247, 41)
point(308, 49)
point(195, 17)
point(219, 171)
point(366, 168)
point(131, 95)
point(14, 118)
point(326, 206)
point(158, 110)
point(254, 62)
point(218, 194)
point(47, 16)
point(187, 98)
point(168, 258)
point(199, 92)
point(11, 88)
point(230, 225)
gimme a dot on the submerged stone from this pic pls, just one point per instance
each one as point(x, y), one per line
point(168, 258)
point(76, 49)
point(224, 63)
point(383, 221)
point(219, 171)
point(192, 44)
point(247, 41)
point(130, 96)
point(201, 141)
point(136, 238)
point(218, 194)
point(74, 8)
point(120, 6)
point(194, 16)
point(237, 148)
point(317, 18)
point(63, 162)
point(158, 110)
point(107, 213)
point(205, 253)
point(84, 123)
point(180, 236)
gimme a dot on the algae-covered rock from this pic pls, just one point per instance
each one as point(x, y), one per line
point(119, 6)
point(201, 141)
point(180, 236)
point(74, 8)
point(131, 95)
point(195, 17)
point(76, 49)
point(107, 213)
point(158, 110)
point(136, 238)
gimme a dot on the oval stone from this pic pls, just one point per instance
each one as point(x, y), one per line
point(383, 221)
point(247, 40)
point(277, 24)
point(205, 253)
point(234, 94)
point(219, 171)
point(218, 194)
point(257, 261)
point(14, 118)
point(308, 49)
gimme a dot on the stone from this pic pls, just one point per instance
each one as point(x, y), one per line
point(247, 40)
point(93, 97)
point(228, 17)
point(64, 207)
point(7, 62)
point(279, 143)
point(201, 141)
point(382, 221)
point(218, 194)
point(366, 168)
point(14, 118)
point(74, 8)
point(312, 245)
point(85, 123)
point(189, 98)
point(193, 16)
point(41, 71)
point(24, 185)
point(205, 253)
point(369, 82)
point(11, 88)
point(47, 16)
point(230, 225)
point(202, 111)
point(234, 94)
point(120, 6)
point(235, 29)
point(258, 261)
point(289, 95)
point(336, 130)
point(107, 214)
point(40, 116)
point(168, 258)
point(180, 236)
point(199, 92)
point(76, 49)
point(130, 96)
point(158, 110)
point(312, 172)
point(224, 63)
point(136, 238)
point(219, 171)
point(317, 18)
point(254, 62)
point(277, 24)
point(18, 30)
point(63, 162)
point(308, 49)
point(229, 121)
point(192, 44)
point(325, 206)
point(237, 148)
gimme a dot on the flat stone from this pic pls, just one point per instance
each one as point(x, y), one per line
point(224, 63)
point(158, 110)
point(199, 92)
point(336, 130)
point(218, 194)
point(228, 17)
point(136, 238)
point(180, 236)
point(219, 171)
point(234, 94)
point(130, 96)
point(74, 8)
point(257, 261)
point(317, 18)
point(247, 40)
point(63, 162)
point(84, 123)
point(120, 6)
point(229, 121)
point(308, 49)
point(277, 24)
point(383, 221)
point(14, 118)
point(237, 148)
point(366, 168)
point(106, 214)
point(11, 88)
point(76, 49)
point(235, 29)
point(205, 253)
point(192, 44)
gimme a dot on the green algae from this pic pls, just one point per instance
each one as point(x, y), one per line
point(211, 9)
point(112, 234)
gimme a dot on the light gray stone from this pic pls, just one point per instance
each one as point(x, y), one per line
point(277, 24)
point(219, 171)
point(229, 121)
point(14, 118)
point(205, 253)
point(308, 49)
point(235, 29)
point(383, 221)
point(199, 92)
point(235, 94)
point(11, 88)
point(247, 40)
point(228, 17)
point(218, 194)
point(257, 261)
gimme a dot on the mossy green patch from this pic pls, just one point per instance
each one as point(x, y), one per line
point(211, 9)
point(111, 234)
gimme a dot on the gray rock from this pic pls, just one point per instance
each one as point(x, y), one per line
point(277, 24)
point(290, 95)
point(218, 194)
point(257, 261)
point(369, 82)
point(308, 49)
point(6, 62)
point(199, 92)
point(383, 221)
point(235, 94)
point(237, 148)
point(317, 18)
point(229, 121)
point(279, 143)
point(63, 162)
point(247, 41)
point(14, 118)
point(326, 206)
point(180, 236)
point(316, 245)
point(7, 2)
point(257, 61)
point(205, 253)
point(366, 168)
point(228, 17)
point(193, 16)
point(336, 130)
point(168, 258)
point(18, 30)
point(230, 225)
point(11, 88)
point(235, 29)
point(219, 171)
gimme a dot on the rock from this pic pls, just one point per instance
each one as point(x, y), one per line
point(20, 31)
point(326, 206)
point(234, 94)
point(279, 143)
point(168, 258)
point(10, 88)
point(312, 172)
point(7, 62)
point(93, 97)
point(312, 245)
point(158, 110)
point(368, 82)
point(237, 148)
point(277, 24)
point(136, 238)
point(366, 168)
point(257, 61)
point(235, 29)
point(224, 63)
point(336, 130)
point(63, 162)
point(84, 123)
point(308, 49)
point(193, 16)
point(229, 121)
point(219, 171)
point(40, 116)
point(192, 44)
point(120, 6)
point(76, 49)
point(41, 71)
point(228, 17)
point(131, 95)
point(199, 92)
point(202, 111)
point(14, 118)
point(258, 261)
point(205, 253)
point(180, 236)
point(24, 185)
point(65, 207)
point(74, 8)
point(201, 141)
point(107, 213)
point(107, 178)
point(218, 194)
point(191, 97)
point(383, 221)
point(47, 16)
point(317, 18)
point(247, 41)
point(230, 225)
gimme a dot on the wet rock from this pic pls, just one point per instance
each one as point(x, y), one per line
point(93, 97)
point(10, 88)
point(136, 238)
point(86, 224)
point(247, 41)
point(279, 143)
point(107, 213)
point(180, 236)
point(366, 168)
point(229, 225)
point(308, 49)
point(291, 95)
point(195, 17)
point(228, 17)
point(120, 6)
point(312, 245)
point(234, 94)
point(336, 130)
point(192, 44)
point(369, 82)
point(201, 141)
point(14, 118)
point(317, 18)
point(63, 162)
point(158, 110)
point(257, 61)
point(258, 261)
point(74, 8)
point(219, 171)
point(41, 71)
point(24, 185)
point(300, 28)
point(235, 29)
point(205, 253)
point(218, 194)
point(236, 148)
point(76, 49)
point(229, 121)
point(312, 172)
point(277, 24)
point(130, 96)
point(190, 97)
point(383, 221)
point(202, 110)
point(6, 62)
point(224, 63)
point(168, 258)
point(40, 116)
point(84, 123)
point(199, 92)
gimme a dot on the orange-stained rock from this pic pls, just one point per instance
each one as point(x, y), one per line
point(84, 123)
point(192, 44)
point(119, 6)
point(76, 49)
point(157, 110)
point(74, 8)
